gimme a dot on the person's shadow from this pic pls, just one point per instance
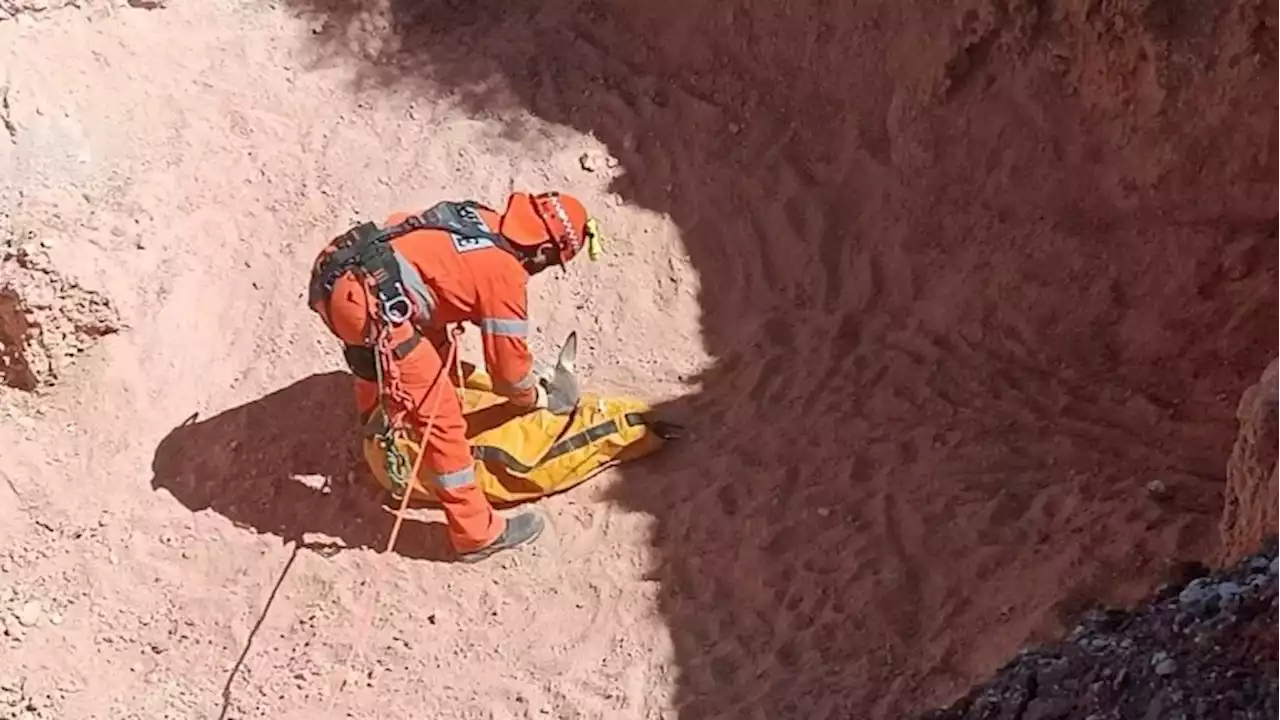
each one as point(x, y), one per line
point(289, 464)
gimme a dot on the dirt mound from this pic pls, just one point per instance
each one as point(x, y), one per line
point(1202, 649)
point(46, 320)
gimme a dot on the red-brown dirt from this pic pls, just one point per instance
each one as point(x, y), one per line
point(1251, 508)
point(956, 301)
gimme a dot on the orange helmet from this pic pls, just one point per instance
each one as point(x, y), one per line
point(546, 218)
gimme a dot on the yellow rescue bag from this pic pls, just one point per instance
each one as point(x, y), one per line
point(522, 455)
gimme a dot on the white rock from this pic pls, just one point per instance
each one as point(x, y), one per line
point(30, 614)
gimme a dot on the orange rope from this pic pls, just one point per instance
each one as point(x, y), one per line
point(358, 647)
point(422, 447)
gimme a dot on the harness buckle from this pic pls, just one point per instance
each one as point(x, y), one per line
point(397, 309)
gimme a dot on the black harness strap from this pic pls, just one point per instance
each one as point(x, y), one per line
point(362, 360)
point(366, 250)
point(576, 441)
point(463, 221)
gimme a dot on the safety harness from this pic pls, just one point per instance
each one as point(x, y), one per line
point(398, 291)
point(397, 294)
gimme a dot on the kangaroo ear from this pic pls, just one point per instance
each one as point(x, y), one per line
point(569, 352)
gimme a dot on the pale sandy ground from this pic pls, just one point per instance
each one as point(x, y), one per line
point(206, 149)
point(925, 436)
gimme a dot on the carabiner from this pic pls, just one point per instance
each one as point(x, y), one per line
point(397, 309)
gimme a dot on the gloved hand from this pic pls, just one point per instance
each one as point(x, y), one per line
point(557, 385)
point(539, 400)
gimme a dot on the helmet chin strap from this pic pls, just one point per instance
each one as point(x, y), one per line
point(541, 256)
point(546, 255)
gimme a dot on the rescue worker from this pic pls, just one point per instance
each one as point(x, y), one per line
point(388, 295)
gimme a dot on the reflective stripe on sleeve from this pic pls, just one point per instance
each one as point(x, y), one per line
point(505, 327)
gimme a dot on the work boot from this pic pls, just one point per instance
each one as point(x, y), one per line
point(520, 529)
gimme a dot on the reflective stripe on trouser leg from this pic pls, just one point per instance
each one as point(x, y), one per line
point(472, 522)
point(454, 480)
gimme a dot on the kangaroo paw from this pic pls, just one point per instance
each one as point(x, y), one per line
point(667, 430)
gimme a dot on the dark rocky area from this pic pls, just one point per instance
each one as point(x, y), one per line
point(1203, 648)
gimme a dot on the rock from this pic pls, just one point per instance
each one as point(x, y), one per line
point(1104, 620)
point(1229, 590)
point(30, 614)
point(46, 320)
point(1157, 489)
point(594, 160)
point(1166, 658)
point(1250, 511)
point(1048, 709)
point(1197, 591)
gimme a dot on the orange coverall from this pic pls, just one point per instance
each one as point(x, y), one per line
point(486, 286)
